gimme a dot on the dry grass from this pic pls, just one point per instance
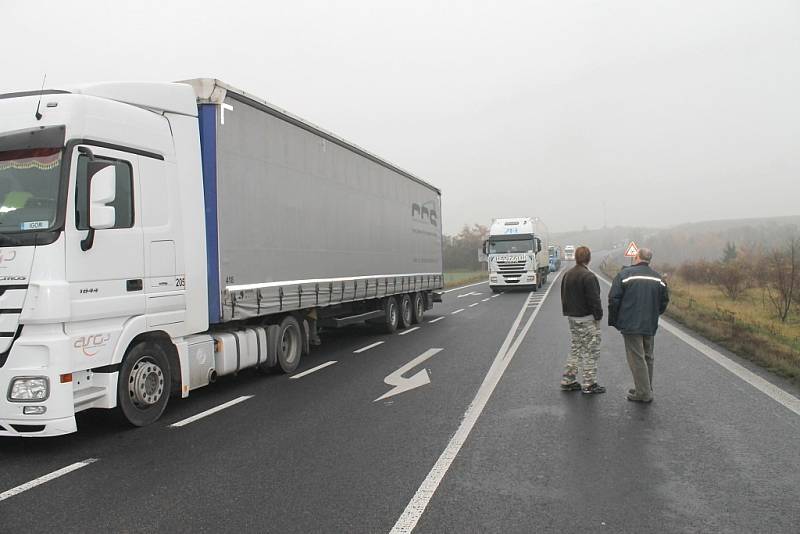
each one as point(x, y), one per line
point(746, 327)
point(459, 278)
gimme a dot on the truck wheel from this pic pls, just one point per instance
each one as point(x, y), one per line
point(406, 311)
point(419, 307)
point(290, 344)
point(143, 385)
point(391, 315)
point(495, 289)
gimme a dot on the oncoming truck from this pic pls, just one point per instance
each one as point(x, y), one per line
point(517, 254)
point(569, 252)
point(155, 236)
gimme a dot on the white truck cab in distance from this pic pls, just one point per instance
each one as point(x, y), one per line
point(516, 250)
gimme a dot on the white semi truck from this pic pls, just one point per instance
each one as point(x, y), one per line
point(517, 254)
point(156, 236)
point(569, 252)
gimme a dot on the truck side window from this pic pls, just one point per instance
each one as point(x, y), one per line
point(123, 201)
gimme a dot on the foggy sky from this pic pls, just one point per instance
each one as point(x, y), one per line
point(641, 113)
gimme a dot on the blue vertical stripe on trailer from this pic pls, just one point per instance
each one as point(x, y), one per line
point(208, 151)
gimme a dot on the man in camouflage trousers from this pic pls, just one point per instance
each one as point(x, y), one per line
point(580, 303)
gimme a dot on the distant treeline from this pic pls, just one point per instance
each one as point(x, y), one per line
point(461, 250)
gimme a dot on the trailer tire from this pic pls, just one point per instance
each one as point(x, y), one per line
point(143, 386)
point(406, 311)
point(391, 315)
point(419, 307)
point(290, 344)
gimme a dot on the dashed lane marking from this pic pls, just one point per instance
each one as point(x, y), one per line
point(212, 411)
point(486, 299)
point(404, 332)
point(457, 311)
point(313, 369)
point(46, 478)
point(372, 346)
point(435, 320)
point(473, 305)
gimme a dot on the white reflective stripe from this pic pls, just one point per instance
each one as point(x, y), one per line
point(653, 278)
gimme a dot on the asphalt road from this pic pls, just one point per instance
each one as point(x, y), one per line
point(318, 453)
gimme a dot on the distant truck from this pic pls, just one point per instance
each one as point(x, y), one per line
point(155, 236)
point(569, 253)
point(516, 251)
point(554, 254)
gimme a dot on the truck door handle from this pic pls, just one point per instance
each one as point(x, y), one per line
point(134, 285)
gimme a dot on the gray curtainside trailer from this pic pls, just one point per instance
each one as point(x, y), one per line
point(299, 219)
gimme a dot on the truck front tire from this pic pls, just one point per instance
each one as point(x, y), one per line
point(143, 386)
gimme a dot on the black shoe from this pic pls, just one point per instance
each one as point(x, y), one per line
point(574, 386)
point(593, 389)
point(634, 398)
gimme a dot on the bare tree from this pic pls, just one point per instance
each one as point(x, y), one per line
point(732, 277)
point(783, 278)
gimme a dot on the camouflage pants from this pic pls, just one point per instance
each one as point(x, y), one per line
point(585, 350)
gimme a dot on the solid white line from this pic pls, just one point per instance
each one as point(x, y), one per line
point(457, 311)
point(404, 332)
point(362, 349)
point(473, 305)
point(309, 371)
point(214, 410)
point(419, 502)
point(771, 390)
point(46, 478)
point(435, 320)
point(464, 287)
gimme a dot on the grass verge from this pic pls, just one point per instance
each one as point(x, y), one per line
point(460, 278)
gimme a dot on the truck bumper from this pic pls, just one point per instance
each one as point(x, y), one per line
point(528, 279)
point(38, 356)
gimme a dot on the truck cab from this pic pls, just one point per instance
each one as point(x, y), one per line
point(517, 254)
point(101, 248)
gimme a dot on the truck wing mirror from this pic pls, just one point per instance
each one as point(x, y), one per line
point(102, 190)
point(482, 254)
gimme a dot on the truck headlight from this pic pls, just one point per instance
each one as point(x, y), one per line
point(29, 388)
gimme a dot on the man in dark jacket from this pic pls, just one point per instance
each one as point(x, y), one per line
point(580, 303)
point(638, 296)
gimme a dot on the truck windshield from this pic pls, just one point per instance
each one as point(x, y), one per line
point(29, 181)
point(510, 245)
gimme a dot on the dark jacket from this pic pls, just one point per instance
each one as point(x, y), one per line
point(580, 293)
point(638, 296)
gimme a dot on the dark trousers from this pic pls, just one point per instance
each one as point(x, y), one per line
point(639, 350)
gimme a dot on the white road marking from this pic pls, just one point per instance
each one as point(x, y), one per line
point(46, 478)
point(473, 305)
point(774, 392)
point(404, 332)
point(362, 349)
point(465, 287)
point(435, 320)
point(402, 384)
point(494, 296)
point(214, 410)
point(470, 294)
point(419, 502)
point(309, 371)
point(486, 299)
point(457, 311)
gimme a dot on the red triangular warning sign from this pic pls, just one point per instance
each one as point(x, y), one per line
point(632, 250)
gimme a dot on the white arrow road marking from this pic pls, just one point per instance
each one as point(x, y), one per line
point(46, 478)
point(402, 384)
point(475, 293)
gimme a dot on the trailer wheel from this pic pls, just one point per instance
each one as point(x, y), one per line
point(391, 315)
point(419, 308)
point(143, 385)
point(406, 311)
point(290, 344)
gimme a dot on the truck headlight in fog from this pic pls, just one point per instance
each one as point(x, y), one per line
point(29, 388)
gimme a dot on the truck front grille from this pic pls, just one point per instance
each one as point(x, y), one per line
point(512, 271)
